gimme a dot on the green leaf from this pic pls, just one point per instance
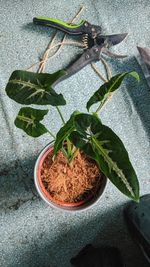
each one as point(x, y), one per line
point(105, 91)
point(34, 88)
point(28, 119)
point(86, 123)
point(104, 146)
point(80, 142)
point(64, 132)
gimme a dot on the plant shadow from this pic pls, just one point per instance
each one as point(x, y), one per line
point(138, 92)
point(43, 30)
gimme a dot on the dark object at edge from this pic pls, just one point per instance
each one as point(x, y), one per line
point(90, 256)
point(138, 221)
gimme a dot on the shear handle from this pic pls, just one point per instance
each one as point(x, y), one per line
point(76, 29)
point(84, 27)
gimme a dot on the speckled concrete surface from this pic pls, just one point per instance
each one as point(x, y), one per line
point(33, 234)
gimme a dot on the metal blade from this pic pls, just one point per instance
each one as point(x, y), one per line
point(145, 54)
point(114, 39)
point(89, 56)
point(145, 62)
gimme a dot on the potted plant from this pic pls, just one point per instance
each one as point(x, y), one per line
point(71, 172)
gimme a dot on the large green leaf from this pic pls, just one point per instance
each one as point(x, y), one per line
point(64, 132)
point(28, 119)
point(34, 88)
point(102, 144)
point(105, 91)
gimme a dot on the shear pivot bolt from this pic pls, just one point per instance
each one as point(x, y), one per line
point(86, 24)
point(87, 56)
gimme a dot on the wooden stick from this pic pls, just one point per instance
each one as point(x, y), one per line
point(56, 45)
point(107, 68)
point(111, 54)
point(98, 72)
point(46, 53)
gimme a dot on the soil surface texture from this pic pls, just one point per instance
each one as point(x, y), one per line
point(70, 183)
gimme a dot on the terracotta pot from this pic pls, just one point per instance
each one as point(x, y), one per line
point(45, 195)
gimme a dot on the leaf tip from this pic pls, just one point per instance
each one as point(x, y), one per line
point(87, 107)
point(135, 75)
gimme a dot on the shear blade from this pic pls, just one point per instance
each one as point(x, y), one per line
point(144, 61)
point(145, 54)
point(116, 38)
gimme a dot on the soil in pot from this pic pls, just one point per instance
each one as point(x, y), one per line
point(70, 183)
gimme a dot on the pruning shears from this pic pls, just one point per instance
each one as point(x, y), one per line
point(95, 43)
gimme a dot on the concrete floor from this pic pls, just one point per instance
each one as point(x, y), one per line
point(33, 234)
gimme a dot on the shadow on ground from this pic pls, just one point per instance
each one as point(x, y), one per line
point(17, 184)
point(106, 229)
point(138, 92)
point(47, 248)
point(43, 30)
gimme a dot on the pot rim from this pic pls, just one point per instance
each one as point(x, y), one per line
point(82, 205)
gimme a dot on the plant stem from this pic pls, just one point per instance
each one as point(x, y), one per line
point(75, 152)
point(69, 150)
point(98, 109)
point(61, 116)
point(52, 134)
point(64, 152)
point(101, 106)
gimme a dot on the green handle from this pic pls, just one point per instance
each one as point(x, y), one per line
point(75, 29)
point(61, 23)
